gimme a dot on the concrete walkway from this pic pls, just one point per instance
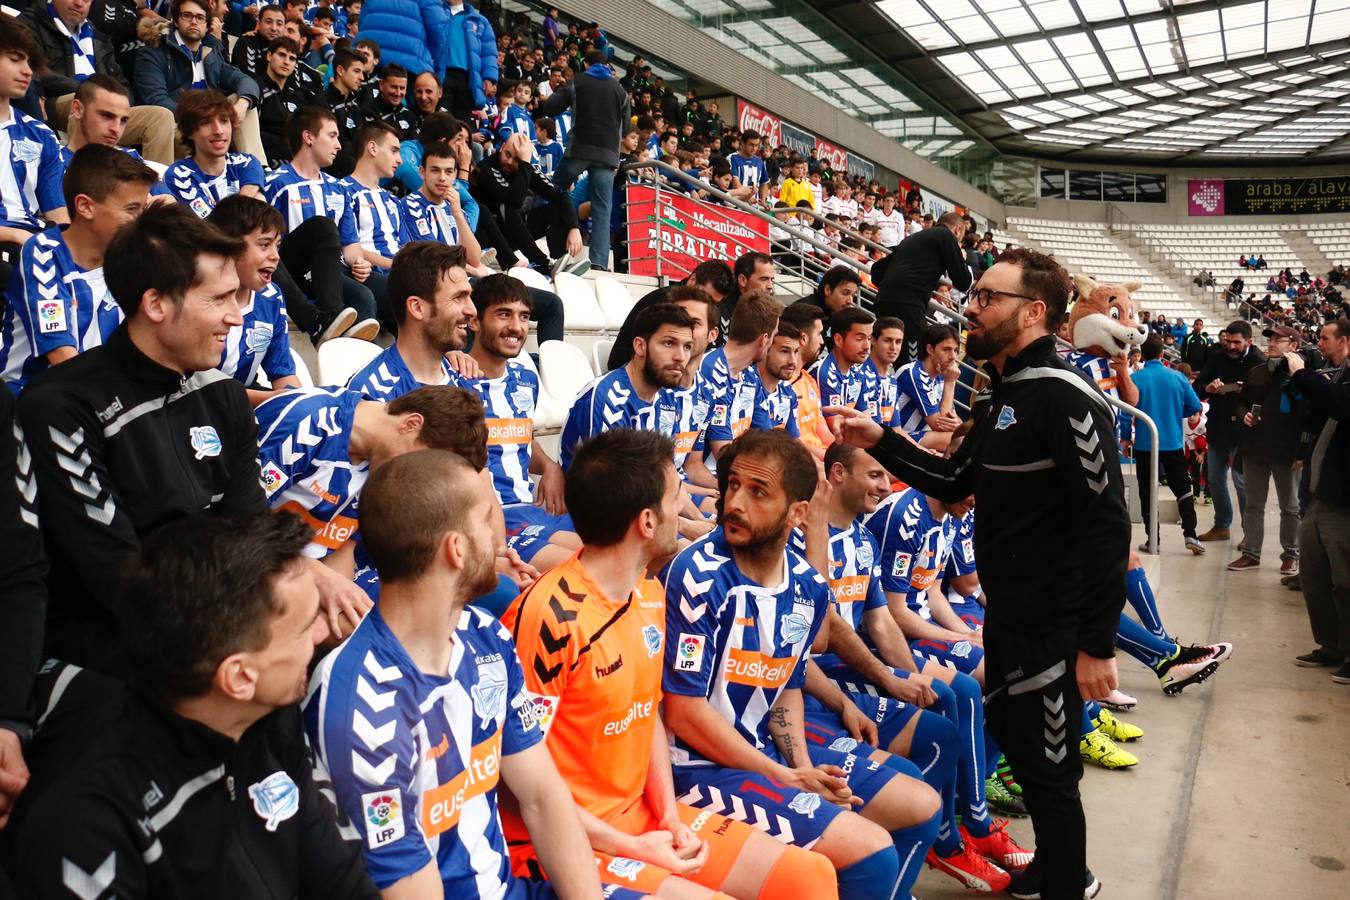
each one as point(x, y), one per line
point(1243, 785)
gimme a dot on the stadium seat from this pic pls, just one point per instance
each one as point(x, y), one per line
point(301, 370)
point(600, 355)
point(580, 308)
point(564, 370)
point(530, 278)
point(615, 302)
point(341, 358)
point(549, 412)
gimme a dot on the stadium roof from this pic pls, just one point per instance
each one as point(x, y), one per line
point(1194, 80)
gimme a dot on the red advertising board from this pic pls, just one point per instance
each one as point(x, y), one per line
point(836, 156)
point(684, 232)
point(751, 118)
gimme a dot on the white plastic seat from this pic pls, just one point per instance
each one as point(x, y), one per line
point(564, 370)
point(615, 302)
point(530, 278)
point(301, 370)
point(340, 358)
point(549, 412)
point(581, 312)
point(600, 355)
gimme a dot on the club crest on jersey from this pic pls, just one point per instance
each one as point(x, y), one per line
point(487, 699)
point(205, 441)
point(258, 337)
point(275, 799)
point(689, 657)
point(334, 203)
point(864, 555)
point(900, 566)
point(51, 317)
point(961, 649)
point(651, 639)
point(26, 151)
point(622, 867)
point(522, 400)
point(384, 817)
point(844, 744)
point(794, 627)
point(805, 804)
point(1006, 419)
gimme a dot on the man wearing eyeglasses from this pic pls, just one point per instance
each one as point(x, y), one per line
point(187, 58)
point(1040, 461)
point(907, 277)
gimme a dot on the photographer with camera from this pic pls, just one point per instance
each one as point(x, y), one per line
point(1222, 378)
point(1269, 440)
point(1325, 533)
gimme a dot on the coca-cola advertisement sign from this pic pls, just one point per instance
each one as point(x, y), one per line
point(751, 118)
point(834, 155)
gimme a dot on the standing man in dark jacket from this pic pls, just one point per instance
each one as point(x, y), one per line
point(600, 113)
point(1324, 536)
point(906, 279)
point(1270, 438)
point(1221, 380)
point(502, 183)
point(74, 51)
point(1049, 632)
point(250, 51)
point(203, 784)
point(1195, 346)
point(184, 59)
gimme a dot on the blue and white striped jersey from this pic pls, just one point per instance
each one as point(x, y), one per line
point(917, 396)
point(855, 570)
point(564, 122)
point(261, 342)
point(427, 221)
point(914, 546)
point(695, 407)
point(886, 388)
point(50, 303)
point(1098, 368)
point(306, 464)
point(379, 216)
point(776, 408)
point(509, 404)
point(30, 171)
point(736, 643)
point(749, 170)
point(732, 398)
point(547, 158)
point(963, 546)
point(201, 192)
point(837, 386)
point(516, 120)
point(157, 189)
point(610, 401)
point(299, 199)
point(387, 376)
point(416, 758)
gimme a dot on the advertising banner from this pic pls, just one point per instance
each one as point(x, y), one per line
point(686, 232)
point(798, 141)
point(751, 118)
point(833, 154)
point(859, 166)
point(1286, 196)
point(1204, 197)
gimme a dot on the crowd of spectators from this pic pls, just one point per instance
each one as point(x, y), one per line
point(1300, 301)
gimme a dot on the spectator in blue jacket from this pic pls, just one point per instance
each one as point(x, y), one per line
point(184, 60)
point(1166, 397)
point(471, 58)
point(411, 33)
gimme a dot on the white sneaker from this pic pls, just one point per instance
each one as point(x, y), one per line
point(341, 323)
point(1119, 701)
point(365, 330)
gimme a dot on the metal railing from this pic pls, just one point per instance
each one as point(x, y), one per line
point(829, 257)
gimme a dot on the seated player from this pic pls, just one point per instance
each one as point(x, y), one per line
point(261, 343)
point(422, 714)
point(380, 227)
point(888, 339)
point(775, 400)
point(434, 211)
point(742, 609)
point(641, 394)
point(961, 581)
point(869, 657)
point(926, 389)
point(211, 171)
point(590, 634)
point(316, 446)
point(99, 113)
point(57, 305)
point(692, 395)
point(839, 374)
point(730, 371)
point(810, 320)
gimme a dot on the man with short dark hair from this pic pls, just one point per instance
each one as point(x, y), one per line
point(810, 322)
point(58, 302)
point(838, 373)
point(906, 278)
point(754, 271)
point(1167, 398)
point(142, 430)
point(729, 373)
point(387, 106)
point(282, 95)
point(220, 618)
point(250, 51)
point(888, 335)
point(1221, 379)
point(838, 288)
point(435, 211)
point(1195, 346)
point(1049, 635)
point(99, 113)
point(713, 277)
point(343, 98)
point(503, 184)
point(925, 405)
point(381, 227)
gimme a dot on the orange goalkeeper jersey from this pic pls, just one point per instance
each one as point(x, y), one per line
point(593, 671)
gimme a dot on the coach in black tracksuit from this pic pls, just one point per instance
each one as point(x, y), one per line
point(1040, 461)
point(907, 278)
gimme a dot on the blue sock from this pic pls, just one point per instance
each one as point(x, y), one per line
point(933, 752)
point(1140, 594)
point(873, 877)
point(1143, 644)
point(911, 846)
point(1090, 710)
point(968, 701)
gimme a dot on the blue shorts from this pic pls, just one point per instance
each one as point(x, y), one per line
point(963, 656)
point(888, 714)
point(529, 528)
point(969, 609)
point(792, 816)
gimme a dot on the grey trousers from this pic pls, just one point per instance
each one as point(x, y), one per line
point(1258, 476)
point(1325, 575)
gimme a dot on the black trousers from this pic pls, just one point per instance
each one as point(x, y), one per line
point(1034, 711)
point(312, 254)
point(457, 96)
point(1171, 466)
point(914, 313)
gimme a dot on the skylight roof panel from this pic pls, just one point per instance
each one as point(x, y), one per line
point(1242, 42)
point(824, 51)
point(1037, 51)
point(1012, 21)
point(905, 13)
point(961, 64)
point(1055, 13)
point(1225, 77)
point(861, 77)
point(1015, 77)
point(1331, 17)
point(932, 37)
